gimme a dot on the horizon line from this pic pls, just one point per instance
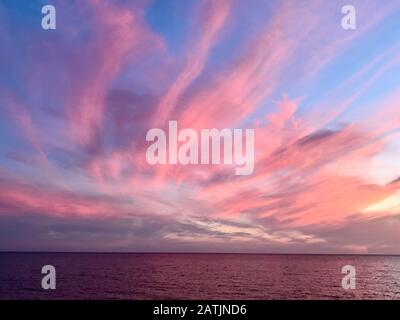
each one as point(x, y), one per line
point(199, 253)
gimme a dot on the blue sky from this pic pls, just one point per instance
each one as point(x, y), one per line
point(76, 103)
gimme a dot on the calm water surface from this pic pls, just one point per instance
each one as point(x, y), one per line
point(197, 276)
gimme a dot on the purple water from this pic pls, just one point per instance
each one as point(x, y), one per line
point(197, 276)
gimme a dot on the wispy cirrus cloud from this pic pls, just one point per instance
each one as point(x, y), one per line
point(76, 105)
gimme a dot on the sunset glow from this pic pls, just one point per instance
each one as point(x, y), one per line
point(76, 104)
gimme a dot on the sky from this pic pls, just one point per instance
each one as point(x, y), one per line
point(76, 104)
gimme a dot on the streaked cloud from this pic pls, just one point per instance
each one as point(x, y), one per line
point(76, 104)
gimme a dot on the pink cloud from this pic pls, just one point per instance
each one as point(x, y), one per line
point(308, 171)
point(213, 19)
point(121, 35)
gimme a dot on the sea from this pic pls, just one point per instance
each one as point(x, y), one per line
point(193, 276)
